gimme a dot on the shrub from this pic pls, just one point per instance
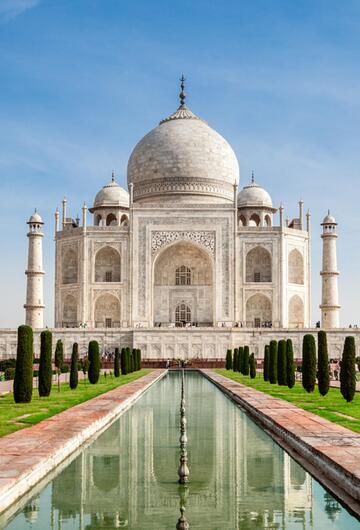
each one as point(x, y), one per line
point(65, 369)
point(309, 363)
point(323, 364)
point(7, 363)
point(94, 362)
point(228, 362)
point(252, 366)
point(281, 363)
point(23, 379)
point(246, 357)
point(347, 370)
point(45, 366)
point(357, 362)
point(240, 358)
point(123, 361)
point(9, 373)
point(290, 365)
point(273, 362)
point(59, 359)
point(74, 379)
point(139, 359)
point(235, 360)
point(117, 363)
point(266, 362)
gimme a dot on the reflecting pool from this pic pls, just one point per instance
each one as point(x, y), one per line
point(127, 477)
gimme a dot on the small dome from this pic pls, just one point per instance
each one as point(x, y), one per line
point(254, 195)
point(329, 219)
point(35, 218)
point(112, 195)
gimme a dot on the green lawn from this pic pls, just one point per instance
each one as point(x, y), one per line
point(331, 407)
point(17, 416)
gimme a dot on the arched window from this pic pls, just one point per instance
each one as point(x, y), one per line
point(267, 220)
point(70, 312)
point(182, 314)
point(107, 265)
point(98, 220)
point(69, 267)
point(124, 221)
point(242, 220)
point(296, 312)
point(296, 267)
point(107, 311)
point(258, 311)
point(258, 265)
point(254, 220)
point(183, 276)
point(111, 220)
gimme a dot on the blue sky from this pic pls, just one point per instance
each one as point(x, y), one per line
point(83, 80)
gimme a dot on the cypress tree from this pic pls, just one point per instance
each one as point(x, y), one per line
point(23, 379)
point(347, 370)
point(228, 362)
point(123, 361)
point(133, 360)
point(309, 363)
point(117, 363)
point(139, 358)
point(59, 359)
point(128, 360)
point(45, 367)
point(74, 379)
point(273, 362)
point(246, 358)
point(235, 359)
point(266, 363)
point(240, 358)
point(252, 366)
point(290, 365)
point(281, 364)
point(323, 364)
point(94, 362)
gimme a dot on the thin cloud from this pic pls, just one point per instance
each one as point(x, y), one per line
point(12, 8)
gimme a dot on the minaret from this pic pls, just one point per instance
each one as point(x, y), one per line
point(34, 291)
point(330, 298)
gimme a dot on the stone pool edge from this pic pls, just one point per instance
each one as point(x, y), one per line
point(315, 453)
point(29, 455)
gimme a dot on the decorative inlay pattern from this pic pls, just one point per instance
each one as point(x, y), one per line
point(204, 238)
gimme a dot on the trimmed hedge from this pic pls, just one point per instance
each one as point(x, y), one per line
point(123, 361)
point(228, 361)
point(74, 379)
point(117, 363)
point(323, 364)
point(347, 370)
point(266, 362)
point(23, 380)
point(273, 362)
point(309, 363)
point(246, 359)
point(94, 362)
point(281, 363)
point(45, 365)
point(240, 358)
point(252, 363)
point(235, 359)
point(290, 365)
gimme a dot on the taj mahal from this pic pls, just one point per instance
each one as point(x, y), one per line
point(187, 259)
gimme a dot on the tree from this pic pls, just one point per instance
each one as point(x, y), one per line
point(117, 363)
point(123, 361)
point(228, 362)
point(252, 366)
point(139, 358)
point(290, 365)
point(246, 356)
point(273, 362)
point(240, 358)
point(323, 364)
point(23, 380)
point(45, 366)
point(74, 379)
point(266, 362)
point(281, 363)
point(59, 359)
point(128, 361)
point(347, 370)
point(309, 363)
point(94, 362)
point(235, 360)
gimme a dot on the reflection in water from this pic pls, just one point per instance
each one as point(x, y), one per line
point(127, 478)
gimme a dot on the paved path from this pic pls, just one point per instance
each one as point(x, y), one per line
point(28, 455)
point(323, 447)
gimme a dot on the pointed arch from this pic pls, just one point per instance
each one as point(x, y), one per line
point(258, 311)
point(296, 312)
point(69, 266)
point(69, 311)
point(107, 311)
point(107, 265)
point(258, 265)
point(296, 267)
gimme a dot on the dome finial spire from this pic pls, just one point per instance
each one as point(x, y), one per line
point(182, 94)
point(113, 176)
point(252, 177)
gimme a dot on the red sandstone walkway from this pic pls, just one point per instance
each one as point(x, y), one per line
point(28, 455)
point(331, 449)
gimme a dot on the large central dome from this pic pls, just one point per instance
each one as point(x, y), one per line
point(183, 159)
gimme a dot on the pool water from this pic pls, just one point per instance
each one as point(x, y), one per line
point(127, 477)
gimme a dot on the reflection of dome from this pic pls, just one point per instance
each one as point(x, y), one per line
point(183, 156)
point(35, 218)
point(254, 195)
point(112, 195)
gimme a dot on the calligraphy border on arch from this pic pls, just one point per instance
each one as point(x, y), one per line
point(205, 238)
